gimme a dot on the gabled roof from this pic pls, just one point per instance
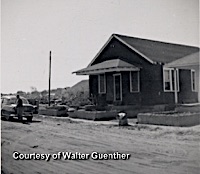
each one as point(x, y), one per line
point(152, 51)
point(107, 66)
point(187, 62)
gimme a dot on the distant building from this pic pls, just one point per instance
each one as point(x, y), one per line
point(135, 71)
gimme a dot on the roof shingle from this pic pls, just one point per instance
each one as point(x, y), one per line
point(158, 51)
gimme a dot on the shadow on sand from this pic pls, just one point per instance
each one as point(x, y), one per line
point(24, 121)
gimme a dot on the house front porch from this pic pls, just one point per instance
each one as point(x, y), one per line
point(112, 82)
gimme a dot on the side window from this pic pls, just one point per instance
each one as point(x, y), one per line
point(169, 79)
point(134, 81)
point(102, 83)
point(5, 101)
point(25, 101)
point(193, 82)
point(12, 101)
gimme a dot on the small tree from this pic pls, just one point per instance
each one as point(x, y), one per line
point(34, 93)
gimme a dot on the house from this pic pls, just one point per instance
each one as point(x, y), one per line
point(190, 62)
point(132, 71)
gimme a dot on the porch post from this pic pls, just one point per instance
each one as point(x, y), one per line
point(175, 86)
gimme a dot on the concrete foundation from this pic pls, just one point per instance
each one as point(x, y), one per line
point(172, 119)
point(53, 112)
point(93, 115)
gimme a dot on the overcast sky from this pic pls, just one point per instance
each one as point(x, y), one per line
point(75, 30)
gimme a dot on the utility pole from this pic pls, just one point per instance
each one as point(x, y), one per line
point(49, 77)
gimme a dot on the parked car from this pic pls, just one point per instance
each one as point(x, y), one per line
point(8, 108)
point(35, 104)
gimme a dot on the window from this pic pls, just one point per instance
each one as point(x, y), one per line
point(117, 87)
point(10, 101)
point(193, 83)
point(134, 81)
point(102, 83)
point(169, 80)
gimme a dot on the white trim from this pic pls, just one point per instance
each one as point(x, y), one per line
point(164, 79)
point(170, 76)
point(138, 76)
point(175, 86)
point(114, 75)
point(104, 84)
point(178, 82)
point(193, 89)
point(101, 71)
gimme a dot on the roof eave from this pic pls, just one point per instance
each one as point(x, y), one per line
point(104, 70)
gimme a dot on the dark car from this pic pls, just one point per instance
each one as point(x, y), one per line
point(8, 108)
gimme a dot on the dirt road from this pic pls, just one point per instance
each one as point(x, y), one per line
point(153, 149)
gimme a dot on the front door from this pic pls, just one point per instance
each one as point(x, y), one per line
point(117, 87)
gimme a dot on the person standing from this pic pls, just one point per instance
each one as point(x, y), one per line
point(19, 108)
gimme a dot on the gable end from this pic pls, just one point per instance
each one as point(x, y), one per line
point(124, 43)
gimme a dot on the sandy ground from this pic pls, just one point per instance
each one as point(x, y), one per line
point(153, 149)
